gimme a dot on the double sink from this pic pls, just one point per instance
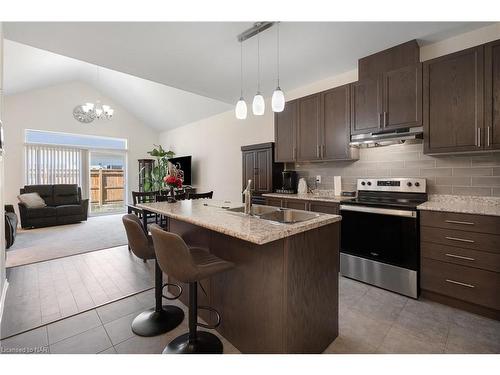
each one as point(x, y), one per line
point(276, 214)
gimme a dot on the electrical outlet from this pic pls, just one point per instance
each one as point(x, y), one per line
point(318, 179)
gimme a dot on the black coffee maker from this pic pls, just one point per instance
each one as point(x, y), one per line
point(289, 185)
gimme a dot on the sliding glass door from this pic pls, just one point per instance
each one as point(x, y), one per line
point(107, 182)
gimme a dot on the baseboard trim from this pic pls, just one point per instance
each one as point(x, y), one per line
point(462, 305)
point(2, 298)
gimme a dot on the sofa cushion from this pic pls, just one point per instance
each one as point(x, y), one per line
point(41, 212)
point(31, 200)
point(69, 209)
point(65, 194)
point(45, 191)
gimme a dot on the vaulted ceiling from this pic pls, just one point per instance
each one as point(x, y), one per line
point(173, 73)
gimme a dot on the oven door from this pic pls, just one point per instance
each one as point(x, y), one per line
point(380, 234)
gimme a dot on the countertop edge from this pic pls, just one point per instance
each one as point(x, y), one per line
point(286, 232)
point(472, 205)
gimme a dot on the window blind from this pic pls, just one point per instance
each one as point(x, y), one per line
point(52, 165)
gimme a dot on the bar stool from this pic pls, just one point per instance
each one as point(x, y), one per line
point(189, 265)
point(161, 318)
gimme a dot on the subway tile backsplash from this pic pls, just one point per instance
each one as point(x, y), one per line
point(477, 174)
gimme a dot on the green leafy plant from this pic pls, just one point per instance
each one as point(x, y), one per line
point(153, 181)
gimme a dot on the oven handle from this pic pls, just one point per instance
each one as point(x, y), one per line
point(381, 211)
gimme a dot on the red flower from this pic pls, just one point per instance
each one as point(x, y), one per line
point(173, 181)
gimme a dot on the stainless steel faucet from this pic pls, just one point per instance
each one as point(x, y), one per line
point(247, 196)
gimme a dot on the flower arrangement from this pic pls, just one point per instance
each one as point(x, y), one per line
point(173, 181)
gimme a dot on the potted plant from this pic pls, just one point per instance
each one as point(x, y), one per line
point(153, 181)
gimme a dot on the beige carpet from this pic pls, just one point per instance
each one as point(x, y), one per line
point(36, 245)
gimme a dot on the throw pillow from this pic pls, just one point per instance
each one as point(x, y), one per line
point(32, 200)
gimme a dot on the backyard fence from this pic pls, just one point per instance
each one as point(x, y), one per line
point(106, 186)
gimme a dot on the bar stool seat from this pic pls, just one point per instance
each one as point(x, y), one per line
point(189, 265)
point(161, 318)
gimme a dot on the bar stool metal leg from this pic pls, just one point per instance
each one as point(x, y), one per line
point(161, 318)
point(194, 342)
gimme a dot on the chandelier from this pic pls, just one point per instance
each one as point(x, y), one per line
point(88, 112)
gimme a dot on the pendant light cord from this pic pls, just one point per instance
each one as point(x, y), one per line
point(278, 52)
point(258, 62)
point(241, 69)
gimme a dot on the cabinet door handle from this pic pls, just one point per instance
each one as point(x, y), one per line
point(385, 118)
point(459, 239)
point(295, 153)
point(459, 283)
point(478, 137)
point(459, 257)
point(318, 151)
point(488, 129)
point(379, 117)
point(459, 222)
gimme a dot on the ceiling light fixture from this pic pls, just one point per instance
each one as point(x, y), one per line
point(258, 105)
point(88, 112)
point(278, 99)
point(241, 106)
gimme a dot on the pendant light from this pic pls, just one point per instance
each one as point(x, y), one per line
point(258, 105)
point(241, 106)
point(278, 99)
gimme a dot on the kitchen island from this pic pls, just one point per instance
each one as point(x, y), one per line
point(282, 296)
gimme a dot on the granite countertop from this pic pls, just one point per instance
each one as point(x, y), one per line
point(208, 213)
point(462, 204)
point(323, 196)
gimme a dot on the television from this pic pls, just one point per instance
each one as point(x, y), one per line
point(184, 164)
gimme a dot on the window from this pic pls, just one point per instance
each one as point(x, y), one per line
point(74, 140)
point(52, 165)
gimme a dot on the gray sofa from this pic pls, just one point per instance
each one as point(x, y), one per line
point(64, 206)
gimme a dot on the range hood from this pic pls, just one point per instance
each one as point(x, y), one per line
point(385, 138)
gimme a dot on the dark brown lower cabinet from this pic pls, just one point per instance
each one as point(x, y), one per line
point(306, 205)
point(460, 261)
point(259, 166)
point(295, 204)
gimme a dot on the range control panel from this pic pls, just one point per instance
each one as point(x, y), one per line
point(403, 185)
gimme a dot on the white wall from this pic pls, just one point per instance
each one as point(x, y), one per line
point(51, 109)
point(2, 186)
point(215, 142)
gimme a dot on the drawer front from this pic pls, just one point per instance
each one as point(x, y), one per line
point(295, 204)
point(325, 208)
point(463, 222)
point(464, 283)
point(466, 240)
point(275, 202)
point(464, 257)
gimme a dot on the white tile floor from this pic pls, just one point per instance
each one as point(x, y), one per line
point(371, 321)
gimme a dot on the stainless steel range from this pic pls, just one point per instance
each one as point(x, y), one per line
point(380, 233)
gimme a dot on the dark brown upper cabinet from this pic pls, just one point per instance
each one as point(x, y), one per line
point(366, 106)
point(315, 128)
point(285, 133)
point(388, 94)
point(402, 97)
point(492, 95)
point(453, 102)
point(335, 120)
point(308, 128)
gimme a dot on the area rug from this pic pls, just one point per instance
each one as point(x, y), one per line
point(36, 245)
